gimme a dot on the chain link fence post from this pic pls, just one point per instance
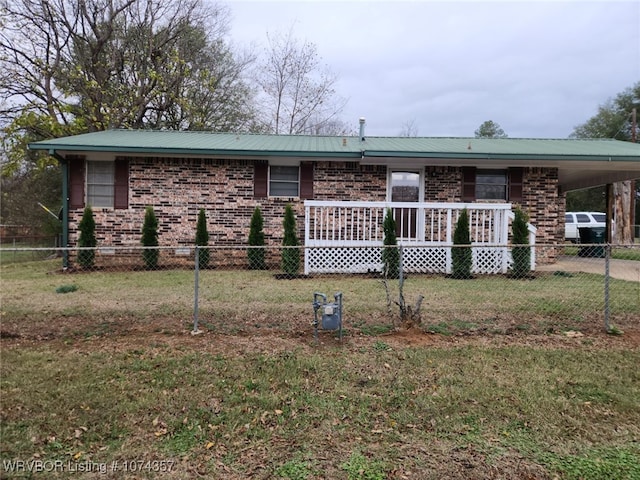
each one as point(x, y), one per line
point(607, 266)
point(196, 283)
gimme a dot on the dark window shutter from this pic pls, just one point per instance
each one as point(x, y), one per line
point(76, 183)
point(260, 176)
point(515, 184)
point(468, 184)
point(306, 180)
point(121, 185)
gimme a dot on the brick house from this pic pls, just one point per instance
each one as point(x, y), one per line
point(335, 184)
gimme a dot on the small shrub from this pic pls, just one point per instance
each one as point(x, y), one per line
point(150, 239)
point(256, 255)
point(87, 239)
point(202, 240)
point(66, 288)
point(461, 258)
point(290, 256)
point(390, 253)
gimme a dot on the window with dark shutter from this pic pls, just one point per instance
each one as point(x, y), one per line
point(306, 180)
point(76, 183)
point(260, 178)
point(468, 184)
point(515, 184)
point(121, 185)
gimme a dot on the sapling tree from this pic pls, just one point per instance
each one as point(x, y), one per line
point(87, 239)
point(521, 252)
point(391, 260)
point(256, 254)
point(461, 258)
point(290, 254)
point(150, 239)
point(202, 240)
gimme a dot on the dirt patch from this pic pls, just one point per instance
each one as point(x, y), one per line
point(257, 336)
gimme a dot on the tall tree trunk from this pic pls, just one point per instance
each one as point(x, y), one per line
point(622, 199)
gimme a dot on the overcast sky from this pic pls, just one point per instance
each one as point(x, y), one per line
point(538, 68)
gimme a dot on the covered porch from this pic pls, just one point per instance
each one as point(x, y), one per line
point(347, 237)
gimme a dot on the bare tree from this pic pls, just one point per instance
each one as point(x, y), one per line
point(298, 94)
point(409, 129)
point(73, 66)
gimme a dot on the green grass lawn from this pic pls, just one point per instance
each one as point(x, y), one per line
point(107, 376)
point(356, 412)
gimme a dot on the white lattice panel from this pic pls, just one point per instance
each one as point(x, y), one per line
point(343, 260)
point(486, 260)
point(425, 259)
point(489, 260)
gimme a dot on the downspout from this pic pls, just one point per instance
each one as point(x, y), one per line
point(362, 138)
point(65, 206)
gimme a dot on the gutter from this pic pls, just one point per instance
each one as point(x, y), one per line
point(200, 152)
point(499, 156)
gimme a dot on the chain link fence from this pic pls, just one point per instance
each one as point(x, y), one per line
point(244, 290)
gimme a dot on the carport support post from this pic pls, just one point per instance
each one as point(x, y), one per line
point(607, 256)
point(195, 330)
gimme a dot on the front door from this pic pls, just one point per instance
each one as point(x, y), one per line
point(405, 187)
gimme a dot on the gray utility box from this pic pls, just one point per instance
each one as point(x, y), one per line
point(330, 313)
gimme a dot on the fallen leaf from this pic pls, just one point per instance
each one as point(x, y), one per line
point(573, 334)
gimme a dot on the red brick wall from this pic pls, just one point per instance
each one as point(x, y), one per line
point(178, 188)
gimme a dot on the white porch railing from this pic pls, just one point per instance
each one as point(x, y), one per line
point(347, 237)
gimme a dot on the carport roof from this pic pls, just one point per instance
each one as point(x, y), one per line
point(580, 162)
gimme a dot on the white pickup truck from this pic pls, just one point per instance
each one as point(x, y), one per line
point(575, 220)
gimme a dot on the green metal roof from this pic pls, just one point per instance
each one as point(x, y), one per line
point(253, 145)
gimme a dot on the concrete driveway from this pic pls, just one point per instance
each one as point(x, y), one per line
point(621, 269)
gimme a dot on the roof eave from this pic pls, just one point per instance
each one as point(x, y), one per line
point(498, 156)
point(192, 152)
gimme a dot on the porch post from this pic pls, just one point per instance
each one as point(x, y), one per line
point(448, 263)
point(504, 239)
point(307, 230)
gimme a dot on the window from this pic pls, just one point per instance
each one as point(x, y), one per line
point(283, 181)
point(491, 185)
point(100, 184)
point(405, 186)
point(486, 184)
